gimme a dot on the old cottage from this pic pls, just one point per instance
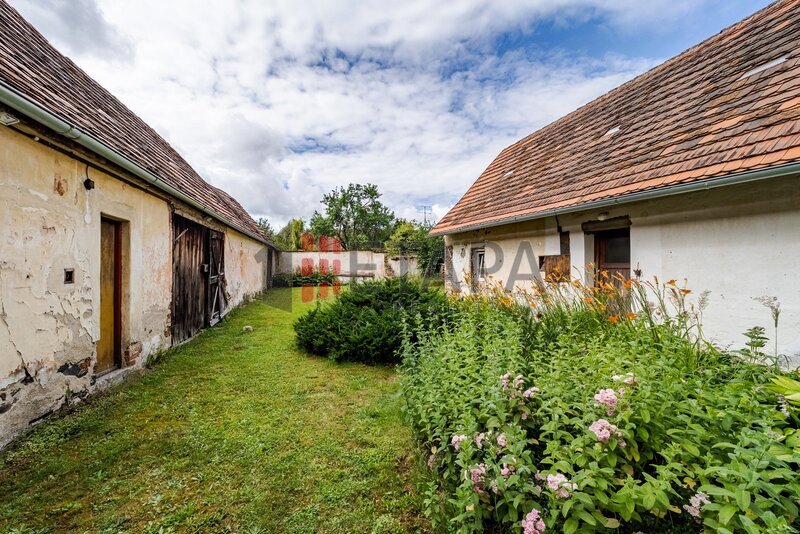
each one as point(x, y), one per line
point(691, 170)
point(113, 248)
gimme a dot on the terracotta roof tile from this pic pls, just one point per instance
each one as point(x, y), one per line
point(31, 66)
point(692, 118)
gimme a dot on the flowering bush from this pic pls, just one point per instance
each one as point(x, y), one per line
point(551, 416)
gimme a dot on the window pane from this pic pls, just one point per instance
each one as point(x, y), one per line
point(618, 249)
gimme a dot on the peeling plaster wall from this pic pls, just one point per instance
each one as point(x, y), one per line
point(48, 329)
point(245, 267)
point(737, 242)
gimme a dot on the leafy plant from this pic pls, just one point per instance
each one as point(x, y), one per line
point(300, 278)
point(366, 323)
point(355, 215)
point(593, 408)
point(411, 238)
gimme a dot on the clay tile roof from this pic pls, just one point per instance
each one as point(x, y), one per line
point(692, 118)
point(32, 67)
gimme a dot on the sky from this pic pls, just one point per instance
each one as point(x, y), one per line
point(279, 102)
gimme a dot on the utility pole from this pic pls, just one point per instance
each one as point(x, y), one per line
point(426, 210)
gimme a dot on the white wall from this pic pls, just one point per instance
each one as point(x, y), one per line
point(245, 266)
point(364, 263)
point(737, 242)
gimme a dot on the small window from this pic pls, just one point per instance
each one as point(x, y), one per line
point(478, 266)
point(69, 276)
point(481, 265)
point(556, 267)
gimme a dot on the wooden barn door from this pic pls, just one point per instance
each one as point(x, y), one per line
point(109, 346)
point(189, 281)
point(216, 277)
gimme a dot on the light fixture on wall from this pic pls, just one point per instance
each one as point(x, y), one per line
point(602, 216)
point(7, 119)
point(88, 183)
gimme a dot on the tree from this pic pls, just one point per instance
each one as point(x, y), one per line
point(355, 215)
point(410, 238)
point(288, 237)
point(267, 227)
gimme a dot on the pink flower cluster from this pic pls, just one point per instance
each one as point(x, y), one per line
point(608, 398)
point(533, 524)
point(479, 439)
point(604, 430)
point(629, 379)
point(561, 485)
point(515, 386)
point(508, 470)
point(696, 503)
point(530, 392)
point(501, 440)
point(457, 440)
point(477, 476)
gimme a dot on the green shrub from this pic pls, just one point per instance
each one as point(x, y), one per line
point(298, 279)
point(366, 322)
point(594, 419)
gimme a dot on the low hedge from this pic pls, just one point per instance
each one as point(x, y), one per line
point(366, 322)
point(298, 279)
point(564, 416)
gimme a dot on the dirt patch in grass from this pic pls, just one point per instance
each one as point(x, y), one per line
point(233, 432)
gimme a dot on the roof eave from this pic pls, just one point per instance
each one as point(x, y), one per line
point(710, 183)
point(42, 115)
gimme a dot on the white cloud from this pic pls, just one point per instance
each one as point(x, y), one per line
point(278, 102)
point(78, 25)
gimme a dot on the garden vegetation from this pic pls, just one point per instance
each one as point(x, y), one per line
point(599, 408)
point(366, 322)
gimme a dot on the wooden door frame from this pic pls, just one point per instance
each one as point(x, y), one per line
point(215, 288)
point(599, 249)
point(117, 313)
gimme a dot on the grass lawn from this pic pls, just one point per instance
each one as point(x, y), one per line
point(233, 432)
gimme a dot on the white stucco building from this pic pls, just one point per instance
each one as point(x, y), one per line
point(691, 170)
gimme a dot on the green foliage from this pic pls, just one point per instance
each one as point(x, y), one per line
point(267, 227)
point(366, 322)
point(693, 430)
point(288, 237)
point(355, 215)
point(298, 279)
point(411, 238)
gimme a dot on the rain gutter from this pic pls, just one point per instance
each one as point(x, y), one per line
point(41, 115)
point(704, 185)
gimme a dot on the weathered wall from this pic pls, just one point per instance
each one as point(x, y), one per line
point(48, 329)
point(737, 242)
point(245, 266)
